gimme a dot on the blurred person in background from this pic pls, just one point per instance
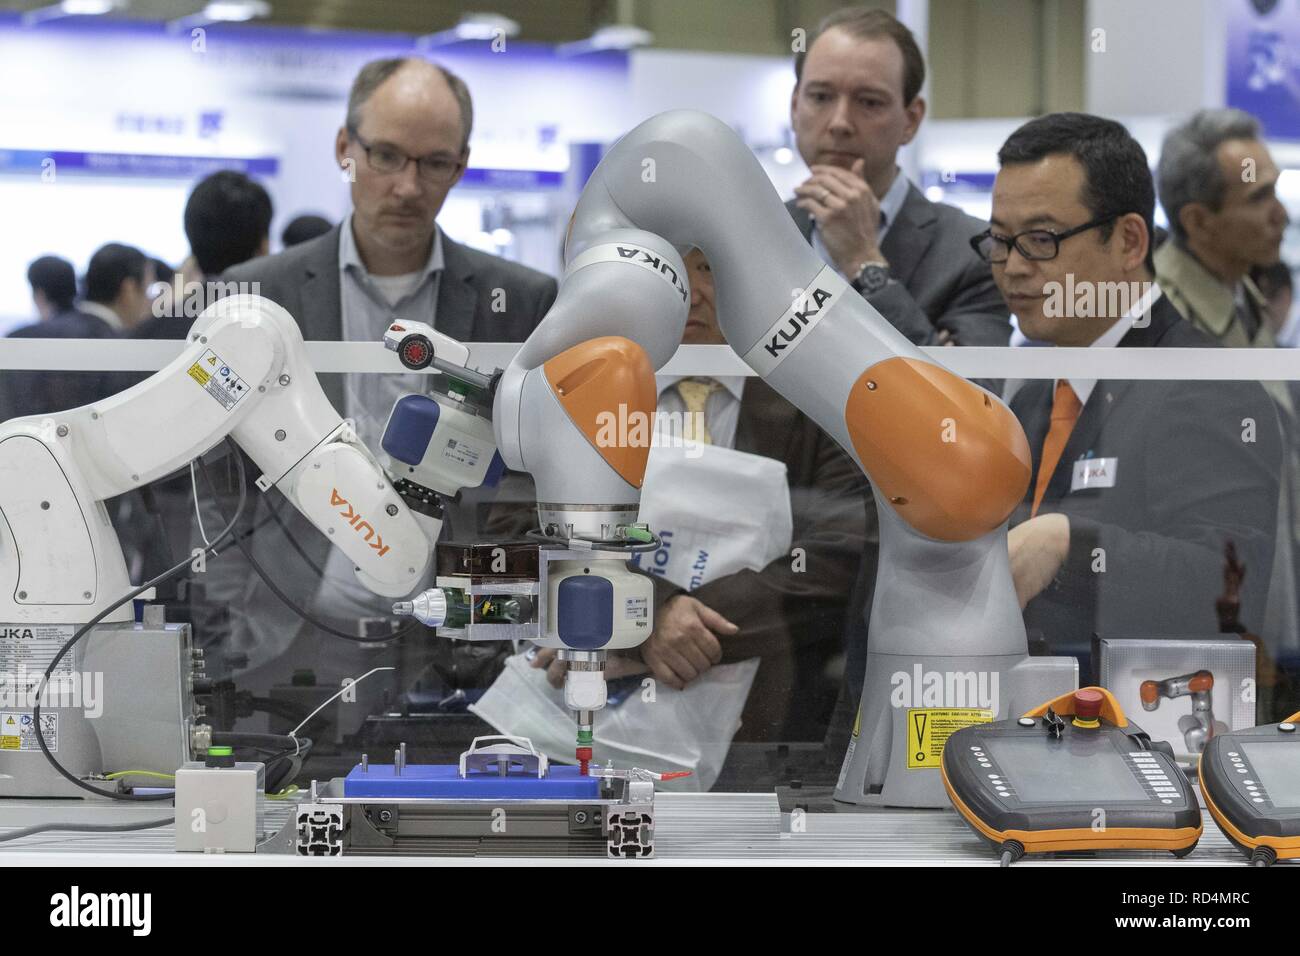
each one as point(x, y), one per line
point(54, 287)
point(302, 228)
point(227, 221)
point(117, 286)
point(1218, 184)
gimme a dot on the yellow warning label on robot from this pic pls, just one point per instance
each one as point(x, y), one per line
point(10, 735)
point(218, 380)
point(928, 730)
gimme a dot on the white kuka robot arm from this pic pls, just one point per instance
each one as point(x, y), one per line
point(244, 374)
point(947, 460)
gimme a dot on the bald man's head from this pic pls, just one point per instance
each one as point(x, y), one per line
point(404, 146)
point(417, 77)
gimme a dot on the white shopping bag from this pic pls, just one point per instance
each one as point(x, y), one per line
point(717, 511)
point(656, 727)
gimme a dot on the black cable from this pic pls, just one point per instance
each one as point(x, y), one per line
point(276, 708)
point(289, 602)
point(84, 828)
point(284, 529)
point(279, 747)
point(169, 574)
point(276, 781)
point(274, 509)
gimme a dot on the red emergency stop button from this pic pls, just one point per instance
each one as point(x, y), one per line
point(1087, 704)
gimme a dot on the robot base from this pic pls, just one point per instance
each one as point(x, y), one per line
point(910, 704)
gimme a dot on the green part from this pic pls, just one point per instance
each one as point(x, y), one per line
point(220, 751)
point(584, 738)
point(639, 534)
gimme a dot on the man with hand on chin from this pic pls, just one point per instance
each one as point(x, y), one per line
point(857, 101)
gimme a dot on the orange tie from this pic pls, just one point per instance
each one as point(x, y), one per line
point(1065, 412)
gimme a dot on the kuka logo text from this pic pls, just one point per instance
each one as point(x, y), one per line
point(353, 518)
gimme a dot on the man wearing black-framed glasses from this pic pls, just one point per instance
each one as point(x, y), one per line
point(1038, 245)
point(1136, 486)
point(402, 147)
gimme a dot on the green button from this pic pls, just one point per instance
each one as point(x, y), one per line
point(222, 751)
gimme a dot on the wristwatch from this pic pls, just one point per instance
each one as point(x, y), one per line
point(871, 278)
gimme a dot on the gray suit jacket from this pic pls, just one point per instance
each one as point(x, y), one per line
point(305, 281)
point(941, 284)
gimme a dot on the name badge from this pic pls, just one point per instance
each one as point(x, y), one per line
point(1094, 473)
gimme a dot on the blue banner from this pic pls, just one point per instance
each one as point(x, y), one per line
point(195, 167)
point(1264, 63)
point(131, 164)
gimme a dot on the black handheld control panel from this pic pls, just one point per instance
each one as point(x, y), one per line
point(1073, 774)
point(1251, 783)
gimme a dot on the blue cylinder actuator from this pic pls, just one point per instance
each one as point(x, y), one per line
point(585, 616)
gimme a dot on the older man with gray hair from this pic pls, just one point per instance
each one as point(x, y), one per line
point(1218, 185)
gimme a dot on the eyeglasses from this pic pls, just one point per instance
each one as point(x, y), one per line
point(387, 160)
point(1038, 245)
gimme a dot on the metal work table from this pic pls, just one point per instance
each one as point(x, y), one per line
point(744, 827)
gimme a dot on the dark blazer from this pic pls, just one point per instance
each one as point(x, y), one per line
point(1186, 482)
point(162, 327)
point(304, 279)
point(792, 620)
point(942, 286)
point(41, 393)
